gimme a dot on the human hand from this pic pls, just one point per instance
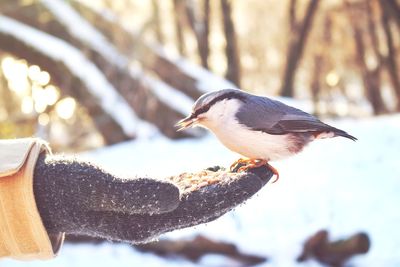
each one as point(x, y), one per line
point(79, 198)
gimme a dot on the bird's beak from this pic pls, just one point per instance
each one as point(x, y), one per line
point(186, 122)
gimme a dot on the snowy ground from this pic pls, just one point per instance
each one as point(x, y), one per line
point(337, 184)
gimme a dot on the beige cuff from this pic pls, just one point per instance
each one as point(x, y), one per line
point(22, 233)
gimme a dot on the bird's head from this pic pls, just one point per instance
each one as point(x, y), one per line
point(211, 108)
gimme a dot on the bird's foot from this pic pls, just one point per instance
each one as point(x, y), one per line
point(253, 163)
point(238, 163)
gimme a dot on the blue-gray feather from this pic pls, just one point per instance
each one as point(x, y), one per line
point(274, 117)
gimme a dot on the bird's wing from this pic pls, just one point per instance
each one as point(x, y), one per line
point(274, 117)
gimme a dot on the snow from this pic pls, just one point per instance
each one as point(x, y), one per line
point(78, 64)
point(167, 94)
point(337, 184)
point(206, 80)
point(170, 96)
point(103, 255)
point(204, 77)
point(82, 30)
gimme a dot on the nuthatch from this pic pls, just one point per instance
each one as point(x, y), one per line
point(258, 128)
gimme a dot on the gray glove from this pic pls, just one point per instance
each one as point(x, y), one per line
point(79, 198)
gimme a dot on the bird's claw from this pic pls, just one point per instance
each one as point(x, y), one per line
point(274, 171)
point(237, 163)
point(247, 164)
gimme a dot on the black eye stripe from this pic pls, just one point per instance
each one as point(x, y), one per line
point(203, 109)
point(229, 95)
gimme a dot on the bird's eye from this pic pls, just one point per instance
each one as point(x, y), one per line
point(200, 110)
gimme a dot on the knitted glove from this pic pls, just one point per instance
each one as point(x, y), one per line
point(79, 198)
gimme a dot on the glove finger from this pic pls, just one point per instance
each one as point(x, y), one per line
point(196, 207)
point(141, 195)
point(200, 205)
point(204, 204)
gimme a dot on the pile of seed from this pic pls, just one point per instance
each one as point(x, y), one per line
point(194, 181)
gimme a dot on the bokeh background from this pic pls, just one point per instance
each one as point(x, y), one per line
point(107, 80)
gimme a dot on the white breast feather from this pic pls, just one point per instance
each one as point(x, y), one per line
point(221, 121)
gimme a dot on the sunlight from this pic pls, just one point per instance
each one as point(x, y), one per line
point(7, 67)
point(27, 105)
point(52, 94)
point(19, 85)
point(65, 108)
point(34, 72)
point(15, 72)
point(40, 98)
point(40, 105)
point(332, 79)
point(21, 68)
point(43, 78)
point(44, 119)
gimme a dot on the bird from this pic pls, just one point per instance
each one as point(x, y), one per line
point(258, 128)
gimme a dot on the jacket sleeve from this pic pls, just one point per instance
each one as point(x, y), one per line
point(22, 233)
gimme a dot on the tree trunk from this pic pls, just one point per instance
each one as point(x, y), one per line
point(370, 78)
point(316, 81)
point(292, 15)
point(69, 84)
point(375, 74)
point(179, 22)
point(231, 49)
point(394, 9)
point(296, 47)
point(204, 47)
point(391, 63)
point(199, 29)
point(157, 21)
point(321, 62)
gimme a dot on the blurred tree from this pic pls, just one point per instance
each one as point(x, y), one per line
point(150, 57)
point(320, 61)
point(298, 32)
point(135, 87)
point(360, 16)
point(374, 89)
point(71, 84)
point(231, 48)
point(135, 91)
point(347, 56)
point(179, 21)
point(393, 8)
point(391, 63)
point(199, 27)
point(157, 21)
